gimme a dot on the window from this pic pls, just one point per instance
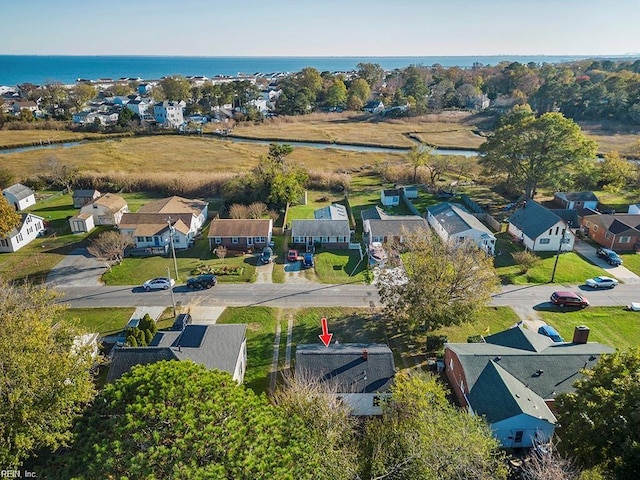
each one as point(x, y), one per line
point(544, 241)
point(557, 230)
point(550, 231)
point(4, 242)
point(260, 239)
point(148, 239)
point(139, 239)
point(217, 240)
point(377, 239)
point(234, 240)
point(298, 239)
point(518, 437)
point(325, 239)
point(624, 240)
point(249, 240)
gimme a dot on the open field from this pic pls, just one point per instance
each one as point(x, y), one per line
point(174, 153)
point(612, 326)
point(446, 130)
point(10, 138)
point(613, 136)
point(340, 266)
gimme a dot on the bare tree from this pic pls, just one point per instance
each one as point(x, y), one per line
point(273, 215)
point(238, 210)
point(548, 465)
point(61, 174)
point(256, 210)
point(221, 252)
point(437, 164)
point(110, 246)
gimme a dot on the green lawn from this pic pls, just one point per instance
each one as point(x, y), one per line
point(315, 199)
point(572, 268)
point(261, 329)
point(136, 270)
point(424, 200)
point(337, 266)
point(138, 199)
point(632, 262)
point(281, 258)
point(612, 326)
point(105, 321)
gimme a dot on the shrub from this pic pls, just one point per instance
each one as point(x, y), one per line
point(525, 260)
point(475, 339)
point(435, 343)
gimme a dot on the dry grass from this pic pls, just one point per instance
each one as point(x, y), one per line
point(613, 136)
point(179, 154)
point(21, 137)
point(450, 130)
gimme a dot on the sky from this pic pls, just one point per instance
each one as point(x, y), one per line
point(320, 27)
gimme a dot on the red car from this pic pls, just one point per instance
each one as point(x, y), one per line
point(292, 256)
point(569, 299)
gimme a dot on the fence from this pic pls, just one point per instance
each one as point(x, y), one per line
point(410, 205)
point(489, 220)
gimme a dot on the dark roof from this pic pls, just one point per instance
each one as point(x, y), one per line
point(394, 226)
point(239, 228)
point(373, 213)
point(320, 228)
point(391, 192)
point(214, 346)
point(533, 219)
point(498, 395)
point(85, 193)
point(522, 353)
point(577, 196)
point(19, 191)
point(616, 223)
point(344, 365)
point(455, 220)
point(569, 215)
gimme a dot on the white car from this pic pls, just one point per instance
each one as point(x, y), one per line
point(160, 283)
point(601, 282)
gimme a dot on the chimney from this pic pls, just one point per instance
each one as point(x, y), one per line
point(581, 334)
point(365, 354)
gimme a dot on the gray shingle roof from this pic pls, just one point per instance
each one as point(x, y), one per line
point(344, 364)
point(455, 220)
point(229, 227)
point(394, 226)
point(332, 212)
point(499, 395)
point(320, 228)
point(19, 191)
point(533, 219)
point(214, 346)
point(577, 196)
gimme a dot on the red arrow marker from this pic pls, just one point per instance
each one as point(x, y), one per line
point(326, 336)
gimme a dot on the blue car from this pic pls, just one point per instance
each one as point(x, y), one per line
point(552, 333)
point(307, 260)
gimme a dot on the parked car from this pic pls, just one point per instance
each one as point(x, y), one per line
point(160, 283)
point(610, 256)
point(601, 282)
point(569, 299)
point(181, 322)
point(206, 280)
point(634, 306)
point(552, 333)
point(307, 260)
point(267, 255)
point(292, 256)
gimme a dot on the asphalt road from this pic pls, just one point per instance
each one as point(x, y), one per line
point(290, 295)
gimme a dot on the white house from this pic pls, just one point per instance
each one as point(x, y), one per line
point(374, 106)
point(451, 223)
point(361, 374)
point(575, 200)
point(23, 234)
point(543, 230)
point(634, 209)
point(107, 209)
point(390, 197)
point(138, 106)
point(169, 114)
point(82, 223)
point(20, 196)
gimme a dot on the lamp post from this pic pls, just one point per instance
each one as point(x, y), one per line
point(173, 249)
point(562, 241)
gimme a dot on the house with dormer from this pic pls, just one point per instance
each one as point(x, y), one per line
point(453, 224)
point(513, 377)
point(540, 229)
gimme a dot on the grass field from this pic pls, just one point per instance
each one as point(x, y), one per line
point(340, 266)
point(105, 321)
point(10, 138)
point(261, 328)
point(632, 262)
point(136, 270)
point(612, 326)
point(449, 130)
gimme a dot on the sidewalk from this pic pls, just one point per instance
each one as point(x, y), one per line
point(621, 273)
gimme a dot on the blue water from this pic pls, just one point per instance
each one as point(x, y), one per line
point(17, 69)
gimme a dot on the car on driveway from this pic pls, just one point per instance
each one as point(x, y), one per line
point(610, 256)
point(552, 333)
point(569, 299)
point(292, 256)
point(601, 282)
point(307, 260)
point(206, 280)
point(160, 283)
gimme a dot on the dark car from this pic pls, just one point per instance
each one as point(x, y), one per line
point(307, 260)
point(569, 299)
point(610, 256)
point(181, 322)
point(552, 333)
point(206, 280)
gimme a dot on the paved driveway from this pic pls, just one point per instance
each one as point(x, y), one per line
point(78, 269)
point(621, 273)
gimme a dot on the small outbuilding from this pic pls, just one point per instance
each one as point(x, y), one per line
point(82, 223)
point(20, 196)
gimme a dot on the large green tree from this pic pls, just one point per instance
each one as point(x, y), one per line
point(45, 379)
point(176, 88)
point(437, 283)
point(9, 218)
point(421, 436)
point(529, 150)
point(601, 418)
point(179, 420)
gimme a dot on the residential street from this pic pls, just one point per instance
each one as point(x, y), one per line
point(291, 295)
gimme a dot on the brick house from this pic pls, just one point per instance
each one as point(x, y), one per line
point(617, 231)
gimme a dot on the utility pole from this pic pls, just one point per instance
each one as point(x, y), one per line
point(173, 299)
point(173, 249)
point(555, 265)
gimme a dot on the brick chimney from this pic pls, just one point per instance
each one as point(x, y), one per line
point(581, 334)
point(365, 354)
